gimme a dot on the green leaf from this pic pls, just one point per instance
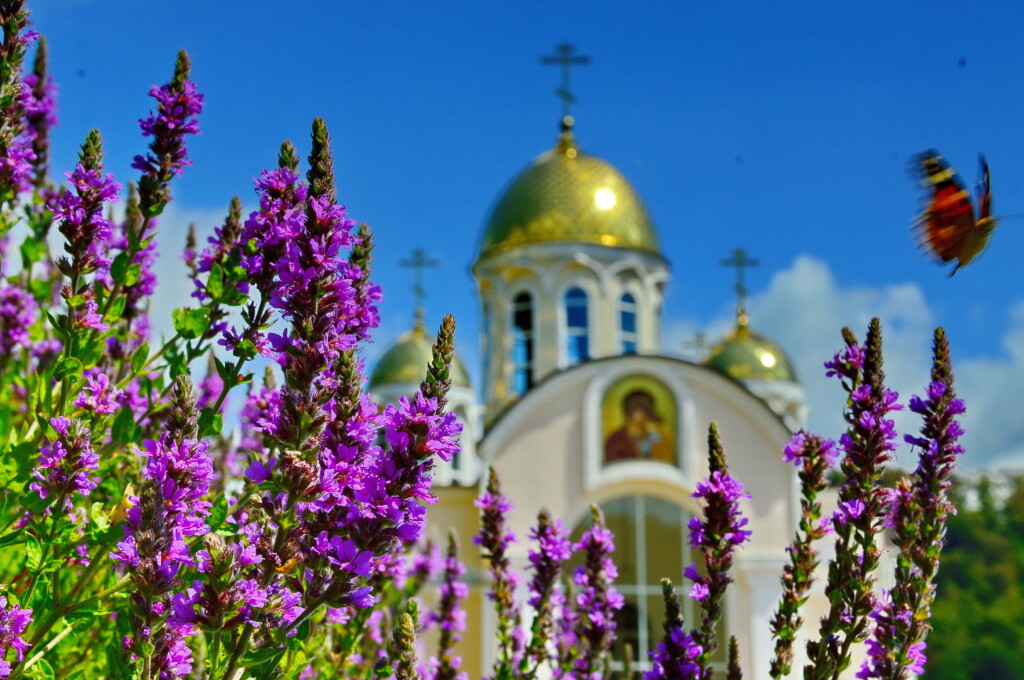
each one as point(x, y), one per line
point(191, 323)
point(8, 472)
point(68, 367)
point(125, 430)
point(116, 309)
point(210, 423)
point(131, 276)
point(245, 349)
point(119, 268)
point(215, 282)
point(33, 553)
point(140, 357)
point(41, 289)
point(219, 512)
point(90, 351)
point(32, 250)
point(99, 518)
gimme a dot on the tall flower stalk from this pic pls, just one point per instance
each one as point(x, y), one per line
point(813, 457)
point(863, 503)
point(922, 506)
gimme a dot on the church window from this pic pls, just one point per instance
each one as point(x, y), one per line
point(650, 544)
point(627, 323)
point(577, 327)
point(522, 343)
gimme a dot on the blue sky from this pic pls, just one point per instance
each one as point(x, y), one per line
point(785, 128)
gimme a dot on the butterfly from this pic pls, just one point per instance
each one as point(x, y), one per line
point(950, 228)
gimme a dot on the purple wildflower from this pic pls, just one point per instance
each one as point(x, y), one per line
point(717, 536)
point(867, 444)
point(99, 396)
point(16, 165)
point(81, 211)
point(177, 105)
point(798, 452)
point(676, 657)
point(547, 559)
point(13, 622)
point(279, 219)
point(921, 506)
point(596, 599)
point(65, 463)
point(494, 539)
point(813, 456)
point(17, 314)
point(39, 105)
point(15, 153)
point(449, 618)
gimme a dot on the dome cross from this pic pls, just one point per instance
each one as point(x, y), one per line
point(740, 261)
point(566, 59)
point(418, 262)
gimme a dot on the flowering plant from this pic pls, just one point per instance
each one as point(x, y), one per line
point(139, 540)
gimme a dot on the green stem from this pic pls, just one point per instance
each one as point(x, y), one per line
point(49, 645)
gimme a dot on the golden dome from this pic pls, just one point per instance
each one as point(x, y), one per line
point(745, 355)
point(567, 195)
point(406, 362)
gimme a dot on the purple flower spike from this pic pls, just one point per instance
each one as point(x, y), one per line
point(65, 463)
point(676, 657)
point(178, 104)
point(17, 314)
point(596, 600)
point(13, 622)
point(80, 211)
point(99, 396)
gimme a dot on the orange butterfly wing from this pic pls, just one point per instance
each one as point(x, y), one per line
point(948, 226)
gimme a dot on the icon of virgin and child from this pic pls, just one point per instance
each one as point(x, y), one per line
point(642, 433)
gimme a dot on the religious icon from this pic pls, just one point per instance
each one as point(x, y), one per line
point(639, 421)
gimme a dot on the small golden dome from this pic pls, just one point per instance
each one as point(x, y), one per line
point(567, 195)
point(406, 362)
point(745, 355)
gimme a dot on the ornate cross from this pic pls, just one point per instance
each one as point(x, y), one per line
point(565, 58)
point(418, 262)
point(740, 261)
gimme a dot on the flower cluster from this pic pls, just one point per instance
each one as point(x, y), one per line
point(13, 621)
point(65, 463)
point(178, 104)
point(922, 506)
point(597, 600)
point(814, 457)
point(81, 212)
point(170, 508)
point(99, 396)
point(39, 104)
point(17, 314)
point(494, 539)
point(16, 154)
point(449, 618)
point(676, 657)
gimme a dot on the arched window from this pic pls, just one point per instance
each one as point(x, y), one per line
point(650, 544)
point(627, 323)
point(522, 343)
point(577, 327)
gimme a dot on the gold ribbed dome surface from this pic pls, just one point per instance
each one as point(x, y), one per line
point(406, 362)
point(745, 355)
point(567, 195)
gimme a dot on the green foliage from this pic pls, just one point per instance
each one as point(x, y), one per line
point(978, 615)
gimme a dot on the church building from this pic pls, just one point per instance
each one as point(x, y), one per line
point(578, 404)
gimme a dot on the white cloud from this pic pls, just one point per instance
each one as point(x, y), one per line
point(804, 309)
